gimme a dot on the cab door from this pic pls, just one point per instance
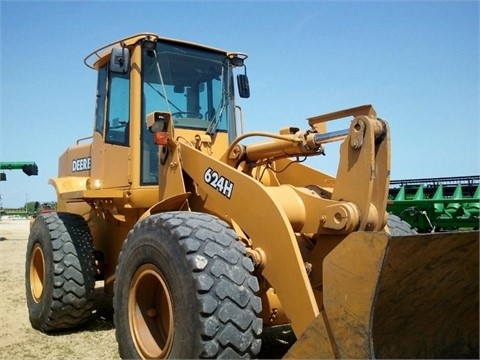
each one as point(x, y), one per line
point(110, 147)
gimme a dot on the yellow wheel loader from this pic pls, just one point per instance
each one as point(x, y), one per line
point(206, 235)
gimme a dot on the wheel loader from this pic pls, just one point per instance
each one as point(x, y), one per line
point(206, 236)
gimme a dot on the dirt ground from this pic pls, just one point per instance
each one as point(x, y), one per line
point(17, 338)
point(96, 340)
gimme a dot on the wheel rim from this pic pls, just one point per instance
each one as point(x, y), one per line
point(37, 273)
point(150, 313)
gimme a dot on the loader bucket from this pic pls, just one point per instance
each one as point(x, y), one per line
point(412, 296)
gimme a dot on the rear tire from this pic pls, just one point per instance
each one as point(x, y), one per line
point(399, 227)
point(184, 289)
point(59, 272)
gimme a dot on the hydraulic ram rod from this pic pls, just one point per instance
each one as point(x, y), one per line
point(330, 136)
point(301, 143)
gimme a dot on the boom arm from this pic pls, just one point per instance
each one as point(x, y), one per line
point(250, 206)
point(272, 214)
point(364, 170)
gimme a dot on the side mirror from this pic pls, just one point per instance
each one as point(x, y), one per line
point(119, 60)
point(243, 86)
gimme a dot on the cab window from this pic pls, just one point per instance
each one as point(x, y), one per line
point(117, 124)
point(100, 103)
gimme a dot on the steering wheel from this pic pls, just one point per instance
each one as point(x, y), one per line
point(190, 114)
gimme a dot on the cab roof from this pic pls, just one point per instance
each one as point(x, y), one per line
point(98, 57)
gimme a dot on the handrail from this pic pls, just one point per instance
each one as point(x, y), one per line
point(121, 41)
point(85, 138)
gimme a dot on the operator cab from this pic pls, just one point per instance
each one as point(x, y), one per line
point(146, 73)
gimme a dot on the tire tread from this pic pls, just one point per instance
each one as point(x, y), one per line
point(226, 289)
point(73, 272)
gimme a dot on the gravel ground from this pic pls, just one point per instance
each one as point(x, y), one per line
point(96, 340)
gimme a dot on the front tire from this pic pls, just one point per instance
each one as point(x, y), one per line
point(184, 289)
point(59, 272)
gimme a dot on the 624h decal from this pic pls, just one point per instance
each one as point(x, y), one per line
point(223, 185)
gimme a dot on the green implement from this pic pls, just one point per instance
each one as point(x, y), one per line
point(440, 204)
point(28, 167)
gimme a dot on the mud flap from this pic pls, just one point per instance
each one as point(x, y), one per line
point(398, 297)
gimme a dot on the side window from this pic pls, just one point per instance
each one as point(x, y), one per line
point(118, 109)
point(101, 93)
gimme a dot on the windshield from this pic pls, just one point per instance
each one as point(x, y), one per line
point(193, 84)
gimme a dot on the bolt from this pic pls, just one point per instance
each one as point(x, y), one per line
point(273, 314)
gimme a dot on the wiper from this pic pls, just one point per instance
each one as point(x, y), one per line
point(215, 122)
point(157, 63)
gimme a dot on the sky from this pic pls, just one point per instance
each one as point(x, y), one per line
point(417, 63)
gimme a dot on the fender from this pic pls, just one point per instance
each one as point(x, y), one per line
point(69, 184)
point(173, 203)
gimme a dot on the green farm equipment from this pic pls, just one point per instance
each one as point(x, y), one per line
point(28, 167)
point(439, 204)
